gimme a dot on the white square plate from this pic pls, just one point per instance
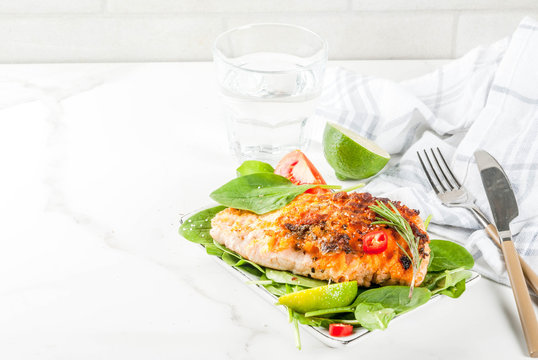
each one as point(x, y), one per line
point(320, 333)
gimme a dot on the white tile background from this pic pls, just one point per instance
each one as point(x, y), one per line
point(183, 30)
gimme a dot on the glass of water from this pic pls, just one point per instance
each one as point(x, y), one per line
point(270, 78)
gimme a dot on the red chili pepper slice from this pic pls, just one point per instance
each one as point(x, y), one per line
point(339, 330)
point(374, 242)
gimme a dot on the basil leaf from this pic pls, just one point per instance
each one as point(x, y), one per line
point(253, 167)
point(196, 228)
point(260, 193)
point(448, 256)
point(374, 316)
point(285, 277)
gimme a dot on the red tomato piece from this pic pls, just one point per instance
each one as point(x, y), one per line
point(340, 330)
point(374, 242)
point(299, 170)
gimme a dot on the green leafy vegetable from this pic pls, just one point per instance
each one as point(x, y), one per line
point(395, 297)
point(240, 260)
point(395, 220)
point(322, 322)
point(376, 307)
point(449, 255)
point(456, 290)
point(253, 167)
point(285, 277)
point(374, 316)
point(196, 228)
point(449, 282)
point(338, 310)
point(213, 250)
point(261, 192)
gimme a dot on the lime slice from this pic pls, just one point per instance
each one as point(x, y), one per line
point(321, 297)
point(350, 155)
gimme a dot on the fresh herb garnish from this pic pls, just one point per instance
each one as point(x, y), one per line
point(261, 192)
point(395, 220)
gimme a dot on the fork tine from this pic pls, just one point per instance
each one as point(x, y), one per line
point(452, 187)
point(435, 172)
point(427, 174)
point(448, 168)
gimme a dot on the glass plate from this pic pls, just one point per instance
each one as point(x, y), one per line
point(320, 333)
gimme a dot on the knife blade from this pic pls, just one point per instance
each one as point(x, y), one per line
point(504, 209)
point(498, 190)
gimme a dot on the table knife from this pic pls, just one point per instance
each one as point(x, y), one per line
point(504, 208)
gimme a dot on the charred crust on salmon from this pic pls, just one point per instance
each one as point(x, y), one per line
point(322, 235)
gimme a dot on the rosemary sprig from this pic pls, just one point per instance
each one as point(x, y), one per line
point(395, 220)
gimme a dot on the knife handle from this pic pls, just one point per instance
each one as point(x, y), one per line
point(530, 275)
point(524, 305)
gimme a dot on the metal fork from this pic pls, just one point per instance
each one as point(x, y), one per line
point(452, 194)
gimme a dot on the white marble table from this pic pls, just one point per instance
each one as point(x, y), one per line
point(97, 161)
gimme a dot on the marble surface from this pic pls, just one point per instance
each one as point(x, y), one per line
point(97, 163)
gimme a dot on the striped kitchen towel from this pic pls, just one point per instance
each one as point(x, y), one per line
point(487, 99)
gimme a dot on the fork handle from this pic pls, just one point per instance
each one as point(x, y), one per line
point(530, 275)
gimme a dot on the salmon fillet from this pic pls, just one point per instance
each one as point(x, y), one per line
point(320, 235)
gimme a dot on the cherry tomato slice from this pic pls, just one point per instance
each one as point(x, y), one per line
point(374, 242)
point(299, 170)
point(340, 330)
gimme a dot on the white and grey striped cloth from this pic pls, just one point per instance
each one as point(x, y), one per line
point(487, 99)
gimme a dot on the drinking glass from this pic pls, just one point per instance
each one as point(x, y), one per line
point(270, 78)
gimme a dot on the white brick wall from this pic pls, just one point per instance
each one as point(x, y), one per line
point(176, 30)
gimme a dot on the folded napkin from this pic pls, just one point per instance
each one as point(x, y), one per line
point(487, 99)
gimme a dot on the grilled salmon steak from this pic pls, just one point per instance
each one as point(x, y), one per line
point(321, 236)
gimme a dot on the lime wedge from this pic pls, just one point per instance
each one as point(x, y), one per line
point(321, 297)
point(351, 155)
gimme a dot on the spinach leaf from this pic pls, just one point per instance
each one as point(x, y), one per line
point(213, 250)
point(339, 310)
point(456, 290)
point(253, 167)
point(375, 308)
point(448, 256)
point(229, 259)
point(395, 297)
point(448, 282)
point(196, 228)
point(374, 316)
point(323, 322)
point(260, 193)
point(285, 277)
